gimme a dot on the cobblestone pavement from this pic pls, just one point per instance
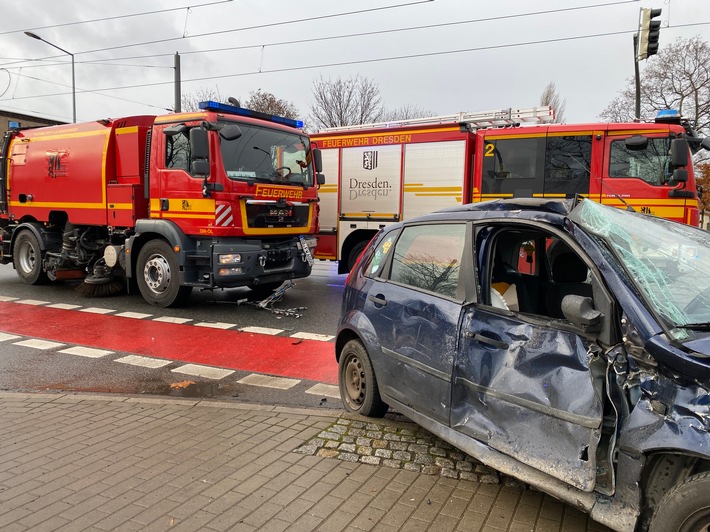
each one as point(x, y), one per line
point(108, 462)
point(399, 444)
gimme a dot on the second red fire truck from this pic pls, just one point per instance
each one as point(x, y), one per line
point(381, 173)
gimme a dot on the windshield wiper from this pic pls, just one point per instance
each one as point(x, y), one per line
point(695, 326)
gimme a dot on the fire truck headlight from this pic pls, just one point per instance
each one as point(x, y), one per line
point(230, 271)
point(233, 258)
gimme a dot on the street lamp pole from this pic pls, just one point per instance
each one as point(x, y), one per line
point(73, 79)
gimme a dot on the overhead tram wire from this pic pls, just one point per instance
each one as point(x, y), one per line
point(362, 61)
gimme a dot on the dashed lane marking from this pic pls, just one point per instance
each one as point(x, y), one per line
point(8, 298)
point(134, 315)
point(88, 352)
point(34, 302)
point(4, 337)
point(261, 330)
point(144, 362)
point(267, 381)
point(39, 344)
point(328, 390)
point(97, 310)
point(64, 306)
point(312, 336)
point(216, 325)
point(172, 319)
point(206, 372)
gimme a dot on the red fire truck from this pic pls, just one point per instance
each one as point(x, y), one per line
point(382, 173)
point(223, 197)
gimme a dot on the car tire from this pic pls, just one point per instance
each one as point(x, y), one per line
point(357, 382)
point(685, 508)
point(27, 258)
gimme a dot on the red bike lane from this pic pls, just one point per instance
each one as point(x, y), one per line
point(259, 353)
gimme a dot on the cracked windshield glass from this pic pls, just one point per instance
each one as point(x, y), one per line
point(668, 262)
point(268, 156)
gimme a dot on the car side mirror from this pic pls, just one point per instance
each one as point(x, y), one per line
point(581, 312)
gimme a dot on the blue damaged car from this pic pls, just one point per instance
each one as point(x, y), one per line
point(564, 343)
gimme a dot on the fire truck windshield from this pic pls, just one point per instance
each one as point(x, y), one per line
point(268, 155)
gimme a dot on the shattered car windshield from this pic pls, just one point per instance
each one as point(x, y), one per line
point(268, 155)
point(668, 262)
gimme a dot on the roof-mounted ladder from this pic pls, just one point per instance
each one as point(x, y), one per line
point(502, 117)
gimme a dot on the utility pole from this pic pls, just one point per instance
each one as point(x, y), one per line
point(178, 95)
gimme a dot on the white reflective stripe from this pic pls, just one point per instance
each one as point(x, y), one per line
point(223, 215)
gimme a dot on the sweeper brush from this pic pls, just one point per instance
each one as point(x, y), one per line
point(100, 287)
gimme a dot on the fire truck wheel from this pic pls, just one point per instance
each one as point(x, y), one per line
point(355, 253)
point(158, 275)
point(27, 258)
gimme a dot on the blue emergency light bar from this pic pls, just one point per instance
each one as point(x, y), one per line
point(234, 110)
point(668, 116)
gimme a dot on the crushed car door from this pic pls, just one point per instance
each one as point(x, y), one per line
point(415, 311)
point(522, 384)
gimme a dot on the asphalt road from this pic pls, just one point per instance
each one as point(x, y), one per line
point(27, 365)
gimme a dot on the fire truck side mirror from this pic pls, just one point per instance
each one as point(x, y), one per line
point(318, 159)
point(320, 179)
point(679, 153)
point(199, 152)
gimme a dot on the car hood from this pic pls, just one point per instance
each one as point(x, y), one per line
point(701, 345)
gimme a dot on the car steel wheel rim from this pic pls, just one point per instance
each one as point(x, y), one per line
point(355, 381)
point(27, 258)
point(697, 522)
point(157, 274)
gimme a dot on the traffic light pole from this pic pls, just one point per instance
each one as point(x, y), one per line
point(637, 109)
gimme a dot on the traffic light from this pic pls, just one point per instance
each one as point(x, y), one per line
point(649, 31)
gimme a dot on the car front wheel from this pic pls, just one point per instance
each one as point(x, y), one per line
point(357, 382)
point(685, 508)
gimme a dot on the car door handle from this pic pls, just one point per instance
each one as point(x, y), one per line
point(489, 341)
point(377, 300)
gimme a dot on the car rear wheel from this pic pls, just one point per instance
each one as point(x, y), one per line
point(357, 382)
point(27, 257)
point(685, 508)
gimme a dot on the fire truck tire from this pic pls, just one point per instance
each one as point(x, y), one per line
point(27, 258)
point(355, 253)
point(158, 277)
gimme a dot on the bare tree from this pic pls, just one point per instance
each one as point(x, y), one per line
point(265, 102)
point(190, 102)
point(405, 112)
point(677, 78)
point(345, 102)
point(551, 97)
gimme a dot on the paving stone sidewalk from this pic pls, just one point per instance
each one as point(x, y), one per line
point(110, 462)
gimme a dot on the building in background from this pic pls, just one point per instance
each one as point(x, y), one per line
point(9, 120)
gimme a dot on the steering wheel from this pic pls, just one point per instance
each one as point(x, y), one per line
point(283, 176)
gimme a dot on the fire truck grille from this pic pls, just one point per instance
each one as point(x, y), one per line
point(275, 215)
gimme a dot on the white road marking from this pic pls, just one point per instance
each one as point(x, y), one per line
point(8, 298)
point(136, 315)
point(5, 337)
point(34, 302)
point(88, 352)
point(96, 310)
point(171, 319)
point(217, 325)
point(313, 336)
point(64, 306)
point(203, 371)
point(144, 362)
point(39, 344)
point(327, 390)
point(262, 330)
point(267, 381)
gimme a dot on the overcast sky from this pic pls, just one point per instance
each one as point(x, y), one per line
point(444, 56)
